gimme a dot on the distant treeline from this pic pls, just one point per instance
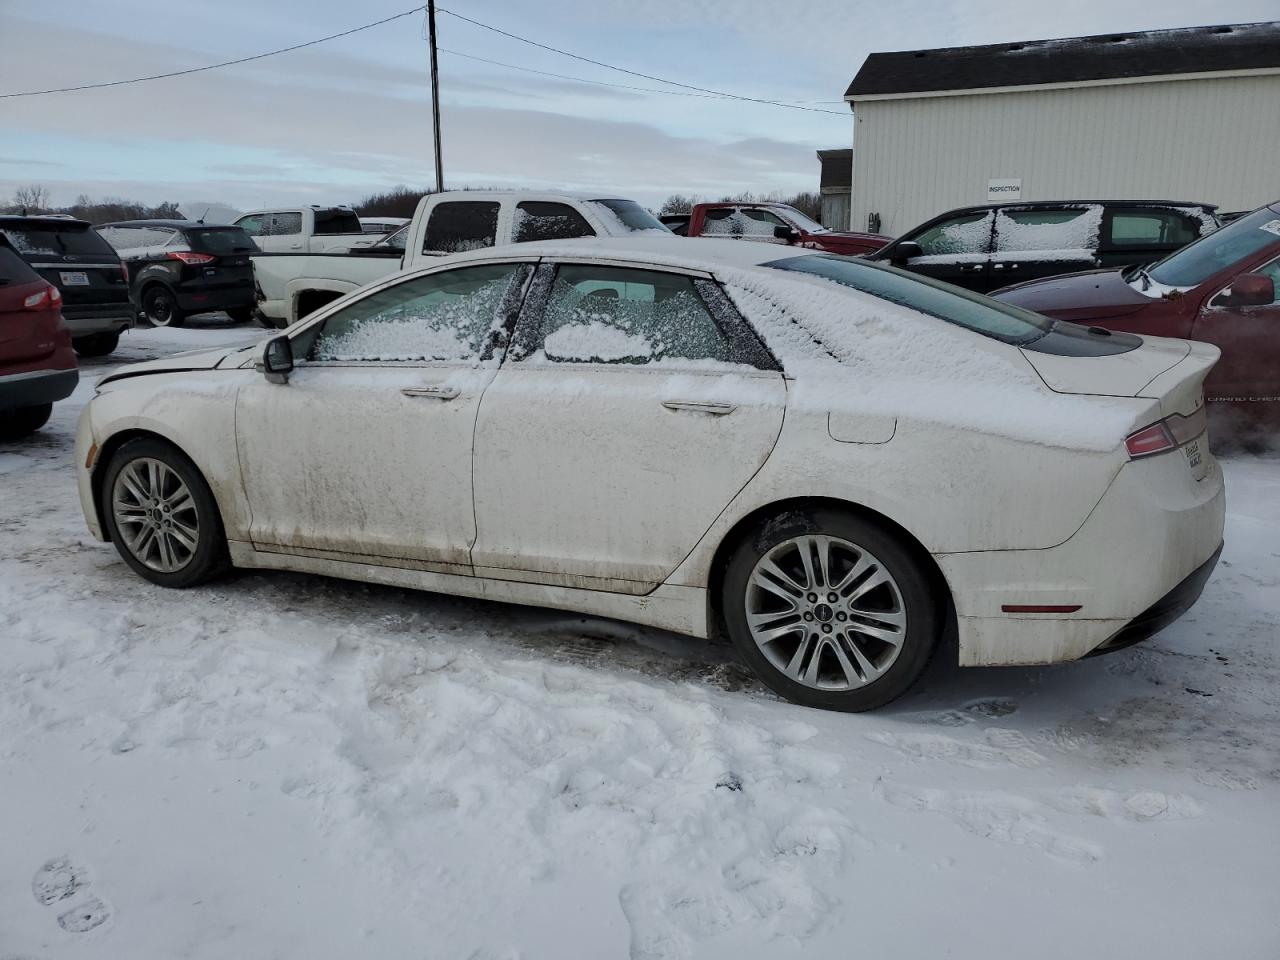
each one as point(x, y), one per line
point(34, 199)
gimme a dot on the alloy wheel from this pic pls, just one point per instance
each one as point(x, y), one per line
point(156, 515)
point(825, 612)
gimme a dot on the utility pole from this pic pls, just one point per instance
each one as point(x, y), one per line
point(435, 94)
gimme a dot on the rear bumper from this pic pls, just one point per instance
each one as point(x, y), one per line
point(194, 299)
point(1132, 566)
point(82, 321)
point(37, 387)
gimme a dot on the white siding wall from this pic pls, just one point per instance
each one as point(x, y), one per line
point(1214, 140)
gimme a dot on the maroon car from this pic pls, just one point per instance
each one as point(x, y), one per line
point(37, 362)
point(1223, 289)
point(776, 223)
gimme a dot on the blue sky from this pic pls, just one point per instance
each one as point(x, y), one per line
point(332, 123)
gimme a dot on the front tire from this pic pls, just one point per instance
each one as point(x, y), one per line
point(23, 421)
point(830, 610)
point(160, 307)
point(97, 344)
point(161, 515)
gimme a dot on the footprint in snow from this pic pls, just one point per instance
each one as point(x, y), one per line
point(60, 879)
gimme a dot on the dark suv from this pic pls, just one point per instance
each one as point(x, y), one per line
point(984, 248)
point(86, 271)
point(180, 267)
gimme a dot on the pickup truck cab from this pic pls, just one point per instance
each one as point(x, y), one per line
point(290, 287)
point(776, 223)
point(303, 229)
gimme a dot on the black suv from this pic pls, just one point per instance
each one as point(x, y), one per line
point(180, 267)
point(87, 272)
point(987, 247)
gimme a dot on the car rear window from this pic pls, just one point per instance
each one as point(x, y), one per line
point(337, 221)
point(13, 269)
point(1000, 321)
point(632, 216)
point(220, 240)
point(47, 240)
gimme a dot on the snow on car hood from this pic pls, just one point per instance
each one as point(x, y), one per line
point(177, 363)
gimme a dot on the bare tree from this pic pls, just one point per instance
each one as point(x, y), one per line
point(32, 198)
point(678, 203)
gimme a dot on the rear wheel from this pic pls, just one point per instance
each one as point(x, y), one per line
point(240, 314)
point(160, 307)
point(831, 610)
point(23, 421)
point(161, 515)
point(97, 344)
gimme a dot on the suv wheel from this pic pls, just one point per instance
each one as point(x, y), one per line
point(240, 314)
point(97, 344)
point(161, 515)
point(22, 421)
point(830, 610)
point(160, 307)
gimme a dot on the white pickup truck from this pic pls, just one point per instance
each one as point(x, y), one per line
point(304, 229)
point(290, 286)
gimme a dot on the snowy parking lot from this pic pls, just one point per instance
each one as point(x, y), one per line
point(288, 766)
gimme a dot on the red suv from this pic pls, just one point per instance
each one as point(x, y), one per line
point(37, 362)
point(776, 223)
point(1224, 289)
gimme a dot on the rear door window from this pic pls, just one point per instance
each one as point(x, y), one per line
point(286, 224)
point(1070, 229)
point(538, 220)
point(329, 222)
point(461, 225)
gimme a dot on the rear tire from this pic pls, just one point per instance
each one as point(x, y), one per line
point(160, 307)
point(851, 628)
point(265, 321)
point(161, 515)
point(97, 344)
point(241, 314)
point(23, 421)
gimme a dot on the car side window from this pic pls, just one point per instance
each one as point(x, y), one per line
point(286, 224)
point(1065, 229)
point(452, 316)
point(1146, 228)
point(740, 222)
point(620, 315)
point(461, 225)
point(252, 225)
point(968, 234)
point(541, 220)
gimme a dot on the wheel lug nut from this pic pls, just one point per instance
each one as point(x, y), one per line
point(840, 615)
point(833, 597)
point(826, 628)
point(808, 616)
point(813, 598)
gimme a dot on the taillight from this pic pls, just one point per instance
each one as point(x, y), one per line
point(191, 259)
point(46, 299)
point(1165, 435)
point(124, 271)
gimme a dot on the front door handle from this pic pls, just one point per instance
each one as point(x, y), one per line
point(712, 407)
point(434, 393)
point(972, 267)
point(1005, 266)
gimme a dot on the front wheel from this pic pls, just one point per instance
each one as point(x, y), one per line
point(161, 515)
point(830, 610)
point(97, 344)
point(23, 421)
point(160, 307)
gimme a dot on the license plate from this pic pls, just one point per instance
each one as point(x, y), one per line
point(1196, 461)
point(77, 279)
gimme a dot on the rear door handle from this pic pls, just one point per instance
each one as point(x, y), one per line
point(712, 407)
point(433, 393)
point(972, 267)
point(1005, 266)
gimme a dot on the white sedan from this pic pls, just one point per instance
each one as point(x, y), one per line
point(833, 461)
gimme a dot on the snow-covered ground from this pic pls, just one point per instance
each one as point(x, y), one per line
point(287, 766)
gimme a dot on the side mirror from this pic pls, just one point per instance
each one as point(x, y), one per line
point(1247, 290)
point(903, 251)
point(789, 234)
point(277, 360)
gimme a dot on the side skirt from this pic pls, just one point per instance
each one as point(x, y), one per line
point(671, 607)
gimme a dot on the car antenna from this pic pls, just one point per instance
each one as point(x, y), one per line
point(203, 215)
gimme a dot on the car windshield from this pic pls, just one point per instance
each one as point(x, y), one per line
point(48, 240)
point(1197, 262)
point(983, 315)
point(220, 240)
point(801, 220)
point(632, 216)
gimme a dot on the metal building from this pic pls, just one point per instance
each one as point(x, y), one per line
point(834, 182)
point(1189, 114)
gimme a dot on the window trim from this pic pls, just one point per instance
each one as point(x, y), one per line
point(743, 339)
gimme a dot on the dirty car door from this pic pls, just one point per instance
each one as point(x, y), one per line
point(631, 409)
point(366, 451)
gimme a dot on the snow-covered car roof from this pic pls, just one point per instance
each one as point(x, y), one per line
point(694, 253)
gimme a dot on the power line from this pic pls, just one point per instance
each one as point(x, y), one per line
point(215, 66)
point(634, 73)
